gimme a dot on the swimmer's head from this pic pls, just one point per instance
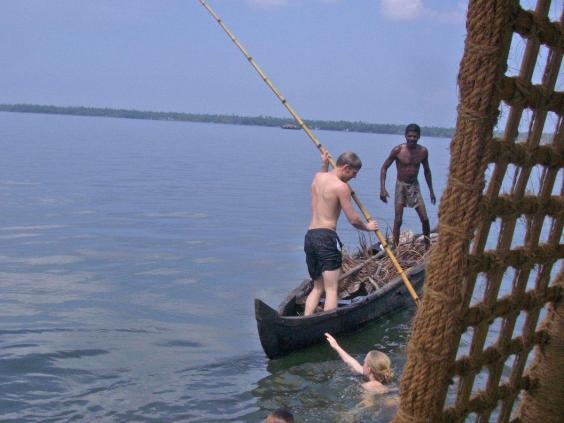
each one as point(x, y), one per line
point(379, 365)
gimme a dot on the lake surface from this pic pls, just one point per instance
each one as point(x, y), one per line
point(131, 252)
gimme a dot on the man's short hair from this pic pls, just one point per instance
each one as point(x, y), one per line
point(413, 127)
point(349, 158)
point(280, 416)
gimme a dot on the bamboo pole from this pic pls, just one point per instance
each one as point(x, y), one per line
point(319, 146)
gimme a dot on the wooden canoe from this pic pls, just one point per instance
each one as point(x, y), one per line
point(283, 331)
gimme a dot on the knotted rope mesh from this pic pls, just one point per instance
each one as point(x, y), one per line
point(477, 350)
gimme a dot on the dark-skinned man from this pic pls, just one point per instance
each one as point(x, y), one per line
point(408, 157)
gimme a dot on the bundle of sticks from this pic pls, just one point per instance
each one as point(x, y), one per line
point(364, 271)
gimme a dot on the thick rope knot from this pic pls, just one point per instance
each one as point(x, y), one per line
point(474, 187)
point(478, 49)
point(456, 232)
point(414, 349)
point(435, 296)
point(477, 116)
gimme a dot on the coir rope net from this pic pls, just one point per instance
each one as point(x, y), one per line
point(478, 350)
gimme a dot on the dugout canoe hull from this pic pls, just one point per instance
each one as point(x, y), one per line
point(281, 332)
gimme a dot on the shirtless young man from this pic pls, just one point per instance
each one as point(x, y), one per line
point(408, 157)
point(329, 195)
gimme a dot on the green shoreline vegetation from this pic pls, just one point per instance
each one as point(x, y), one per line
point(327, 125)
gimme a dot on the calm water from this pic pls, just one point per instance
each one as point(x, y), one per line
point(131, 252)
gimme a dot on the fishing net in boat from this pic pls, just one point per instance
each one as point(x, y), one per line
point(487, 341)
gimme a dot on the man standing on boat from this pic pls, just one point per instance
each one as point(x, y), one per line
point(408, 157)
point(329, 195)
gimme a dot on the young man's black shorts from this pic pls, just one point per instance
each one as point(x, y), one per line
point(323, 251)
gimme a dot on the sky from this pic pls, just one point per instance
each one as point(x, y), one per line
point(378, 61)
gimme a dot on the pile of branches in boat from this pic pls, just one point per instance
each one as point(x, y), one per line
point(367, 270)
point(377, 269)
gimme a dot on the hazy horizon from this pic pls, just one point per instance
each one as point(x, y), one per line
point(392, 61)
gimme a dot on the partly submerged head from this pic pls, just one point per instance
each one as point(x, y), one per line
point(379, 365)
point(280, 416)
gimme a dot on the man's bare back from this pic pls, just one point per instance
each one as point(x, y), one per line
point(329, 195)
point(328, 191)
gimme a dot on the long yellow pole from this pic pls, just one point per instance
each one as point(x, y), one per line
point(300, 122)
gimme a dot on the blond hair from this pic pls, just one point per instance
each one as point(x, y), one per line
point(380, 365)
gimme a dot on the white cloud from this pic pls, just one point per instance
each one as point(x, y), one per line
point(402, 10)
point(410, 10)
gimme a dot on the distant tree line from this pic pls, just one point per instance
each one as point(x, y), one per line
point(329, 125)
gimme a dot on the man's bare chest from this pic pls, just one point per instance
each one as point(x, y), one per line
point(409, 158)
